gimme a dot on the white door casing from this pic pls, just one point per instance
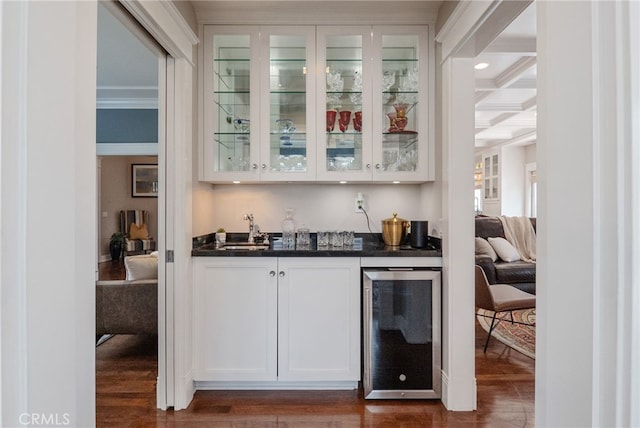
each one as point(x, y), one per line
point(167, 26)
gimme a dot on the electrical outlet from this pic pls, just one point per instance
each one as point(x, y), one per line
point(359, 203)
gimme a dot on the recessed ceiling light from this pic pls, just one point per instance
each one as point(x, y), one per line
point(343, 182)
point(481, 65)
point(236, 182)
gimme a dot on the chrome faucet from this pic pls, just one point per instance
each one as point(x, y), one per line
point(251, 227)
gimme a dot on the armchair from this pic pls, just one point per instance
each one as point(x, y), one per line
point(133, 223)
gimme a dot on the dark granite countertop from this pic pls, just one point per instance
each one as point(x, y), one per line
point(372, 246)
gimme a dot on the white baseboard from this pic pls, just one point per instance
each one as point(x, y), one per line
point(276, 385)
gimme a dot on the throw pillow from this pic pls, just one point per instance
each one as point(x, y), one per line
point(505, 250)
point(138, 232)
point(484, 248)
point(141, 267)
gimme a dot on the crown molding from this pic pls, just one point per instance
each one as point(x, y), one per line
point(327, 12)
point(127, 149)
point(127, 103)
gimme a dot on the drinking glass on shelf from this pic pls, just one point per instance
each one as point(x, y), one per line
point(323, 239)
point(303, 238)
point(347, 238)
point(285, 126)
point(345, 117)
point(357, 121)
point(331, 119)
point(336, 239)
point(390, 160)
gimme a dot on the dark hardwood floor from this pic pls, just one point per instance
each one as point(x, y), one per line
point(111, 270)
point(126, 370)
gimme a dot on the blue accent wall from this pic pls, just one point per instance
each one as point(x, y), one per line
point(127, 125)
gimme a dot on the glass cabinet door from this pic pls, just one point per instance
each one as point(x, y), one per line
point(344, 104)
point(230, 103)
point(401, 113)
point(287, 115)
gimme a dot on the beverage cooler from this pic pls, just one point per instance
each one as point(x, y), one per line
point(402, 330)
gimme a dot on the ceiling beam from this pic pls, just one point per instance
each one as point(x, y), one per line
point(529, 104)
point(506, 107)
point(513, 73)
point(526, 136)
point(492, 85)
point(525, 46)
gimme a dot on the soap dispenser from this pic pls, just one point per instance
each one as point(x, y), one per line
point(289, 231)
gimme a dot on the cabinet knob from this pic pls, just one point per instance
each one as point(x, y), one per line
point(254, 166)
point(377, 166)
point(272, 273)
point(264, 166)
point(281, 274)
point(368, 166)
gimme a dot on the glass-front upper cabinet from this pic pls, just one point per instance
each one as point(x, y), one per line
point(344, 113)
point(287, 121)
point(401, 104)
point(259, 83)
point(374, 100)
point(230, 146)
point(325, 103)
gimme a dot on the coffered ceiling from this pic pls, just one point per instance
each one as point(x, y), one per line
point(506, 89)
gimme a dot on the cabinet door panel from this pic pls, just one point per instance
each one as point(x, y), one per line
point(287, 122)
point(236, 319)
point(319, 313)
point(230, 110)
point(401, 106)
point(344, 103)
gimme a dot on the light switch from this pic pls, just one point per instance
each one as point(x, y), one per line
point(105, 214)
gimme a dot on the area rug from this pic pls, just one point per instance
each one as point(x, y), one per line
point(520, 337)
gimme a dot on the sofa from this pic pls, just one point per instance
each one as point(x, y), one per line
point(129, 306)
point(519, 273)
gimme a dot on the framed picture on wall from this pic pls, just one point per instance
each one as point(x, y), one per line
point(144, 180)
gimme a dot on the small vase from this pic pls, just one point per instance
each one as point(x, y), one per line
point(401, 122)
point(401, 109)
point(115, 249)
point(392, 122)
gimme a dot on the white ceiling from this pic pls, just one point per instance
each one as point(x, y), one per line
point(127, 73)
point(506, 90)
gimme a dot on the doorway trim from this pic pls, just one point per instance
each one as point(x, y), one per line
point(167, 26)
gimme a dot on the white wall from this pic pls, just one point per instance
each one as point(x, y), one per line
point(530, 153)
point(587, 330)
point(48, 168)
point(318, 206)
point(512, 181)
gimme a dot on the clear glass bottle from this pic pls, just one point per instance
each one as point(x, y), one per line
point(289, 231)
